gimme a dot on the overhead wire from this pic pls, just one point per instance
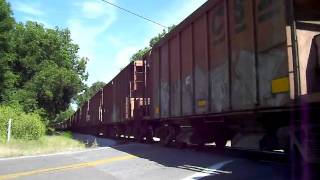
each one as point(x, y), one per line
point(133, 13)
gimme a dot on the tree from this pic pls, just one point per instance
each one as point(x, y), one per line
point(157, 38)
point(45, 70)
point(65, 115)
point(6, 25)
point(88, 93)
point(142, 52)
point(139, 55)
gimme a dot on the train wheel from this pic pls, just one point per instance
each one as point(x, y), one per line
point(112, 132)
point(127, 132)
point(162, 133)
point(269, 142)
point(221, 142)
point(167, 135)
point(117, 134)
point(180, 145)
point(138, 136)
point(149, 135)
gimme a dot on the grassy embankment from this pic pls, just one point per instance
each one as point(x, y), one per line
point(44, 145)
point(29, 135)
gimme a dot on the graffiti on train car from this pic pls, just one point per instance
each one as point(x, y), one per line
point(218, 25)
point(239, 15)
point(268, 9)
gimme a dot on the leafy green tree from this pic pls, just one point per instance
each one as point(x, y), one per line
point(139, 55)
point(89, 92)
point(142, 52)
point(63, 116)
point(161, 35)
point(6, 25)
point(45, 70)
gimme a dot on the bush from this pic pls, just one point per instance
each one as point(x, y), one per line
point(24, 126)
point(67, 134)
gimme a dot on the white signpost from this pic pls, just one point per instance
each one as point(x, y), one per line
point(9, 130)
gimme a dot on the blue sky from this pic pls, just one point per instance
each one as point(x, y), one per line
point(105, 34)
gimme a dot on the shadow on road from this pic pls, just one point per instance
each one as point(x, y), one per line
point(207, 165)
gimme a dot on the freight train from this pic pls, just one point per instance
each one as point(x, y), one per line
point(240, 72)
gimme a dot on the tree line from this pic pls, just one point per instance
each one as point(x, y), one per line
point(40, 69)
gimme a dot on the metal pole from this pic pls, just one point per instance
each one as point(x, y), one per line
point(9, 130)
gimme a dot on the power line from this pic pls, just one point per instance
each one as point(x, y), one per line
point(133, 13)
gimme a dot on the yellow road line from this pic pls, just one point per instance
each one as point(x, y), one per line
point(67, 167)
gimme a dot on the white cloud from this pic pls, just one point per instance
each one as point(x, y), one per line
point(93, 9)
point(123, 56)
point(84, 32)
point(31, 9)
point(88, 26)
point(115, 41)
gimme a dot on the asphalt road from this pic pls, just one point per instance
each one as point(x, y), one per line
point(140, 161)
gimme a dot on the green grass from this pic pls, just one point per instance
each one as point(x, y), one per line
point(45, 145)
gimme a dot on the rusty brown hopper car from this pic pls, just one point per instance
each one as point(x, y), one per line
point(75, 120)
point(242, 72)
point(78, 118)
point(107, 107)
point(89, 116)
point(95, 113)
point(83, 118)
point(226, 57)
point(236, 68)
point(120, 102)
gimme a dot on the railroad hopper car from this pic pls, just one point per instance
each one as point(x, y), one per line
point(240, 72)
point(129, 107)
point(111, 111)
point(91, 115)
point(124, 102)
